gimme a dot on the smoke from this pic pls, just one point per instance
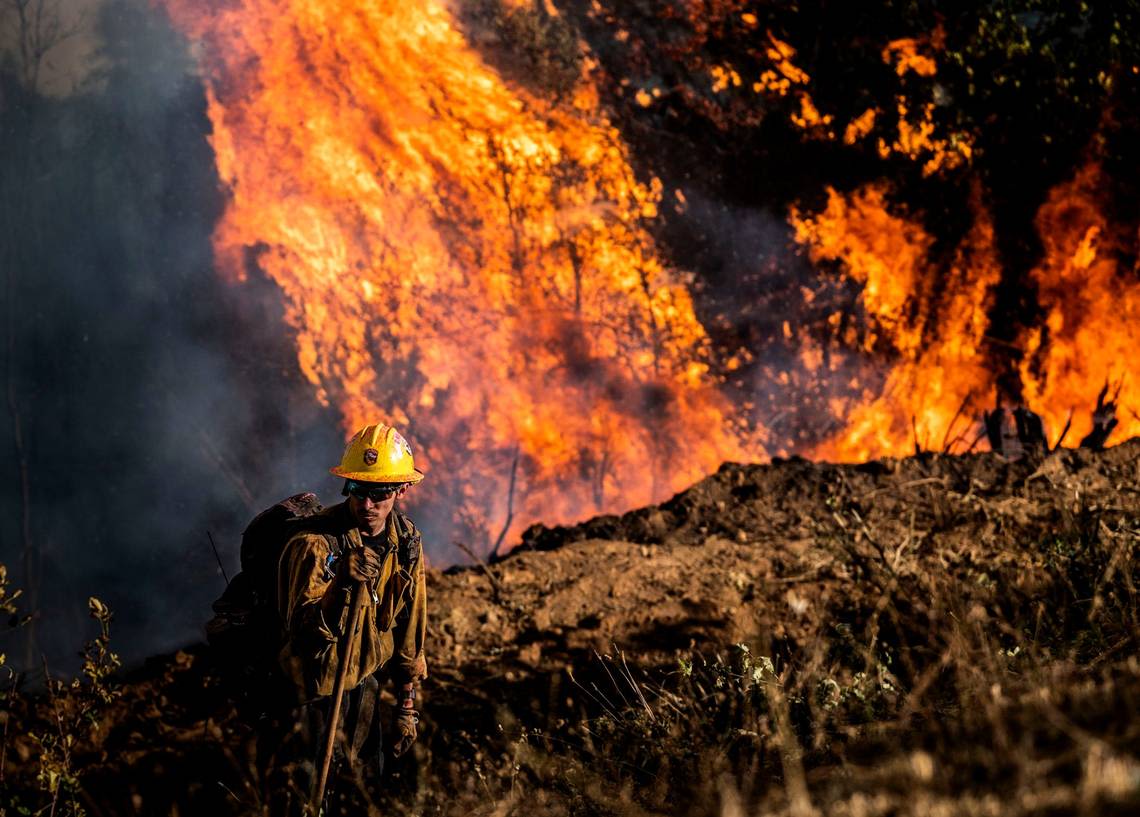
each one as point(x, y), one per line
point(69, 27)
point(154, 402)
point(757, 292)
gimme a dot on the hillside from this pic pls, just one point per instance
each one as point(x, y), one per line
point(932, 635)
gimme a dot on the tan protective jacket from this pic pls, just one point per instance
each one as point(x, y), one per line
point(395, 607)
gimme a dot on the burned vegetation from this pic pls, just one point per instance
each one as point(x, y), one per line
point(931, 635)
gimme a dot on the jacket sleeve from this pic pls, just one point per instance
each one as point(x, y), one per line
point(409, 664)
point(309, 657)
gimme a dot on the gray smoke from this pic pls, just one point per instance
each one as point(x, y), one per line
point(754, 280)
point(155, 402)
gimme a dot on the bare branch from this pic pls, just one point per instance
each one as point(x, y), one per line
point(947, 442)
point(37, 27)
point(510, 502)
point(1065, 430)
point(496, 588)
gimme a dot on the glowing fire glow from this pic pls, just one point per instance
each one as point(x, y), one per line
point(459, 258)
point(930, 319)
point(472, 262)
point(1092, 324)
point(930, 322)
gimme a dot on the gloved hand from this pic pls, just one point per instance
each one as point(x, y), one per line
point(354, 566)
point(358, 565)
point(407, 719)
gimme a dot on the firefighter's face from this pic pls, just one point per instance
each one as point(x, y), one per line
point(370, 504)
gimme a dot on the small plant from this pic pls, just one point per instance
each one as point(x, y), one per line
point(11, 612)
point(8, 608)
point(99, 663)
point(75, 709)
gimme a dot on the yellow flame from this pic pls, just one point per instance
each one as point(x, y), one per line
point(459, 258)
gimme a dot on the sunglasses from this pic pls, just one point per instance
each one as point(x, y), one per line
point(377, 493)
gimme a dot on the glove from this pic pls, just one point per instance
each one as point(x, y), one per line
point(354, 566)
point(405, 730)
point(358, 565)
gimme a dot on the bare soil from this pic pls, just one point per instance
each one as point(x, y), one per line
point(746, 553)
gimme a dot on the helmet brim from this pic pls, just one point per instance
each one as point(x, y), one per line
point(378, 479)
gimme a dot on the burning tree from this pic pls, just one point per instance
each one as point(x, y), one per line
point(946, 176)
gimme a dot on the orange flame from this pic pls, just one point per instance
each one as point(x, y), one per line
point(1092, 324)
point(459, 258)
point(472, 262)
point(930, 322)
point(930, 318)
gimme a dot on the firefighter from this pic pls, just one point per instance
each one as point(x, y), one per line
point(363, 546)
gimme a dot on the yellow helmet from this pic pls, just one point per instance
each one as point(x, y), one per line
point(377, 453)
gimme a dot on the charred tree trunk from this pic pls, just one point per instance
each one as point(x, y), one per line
point(1104, 419)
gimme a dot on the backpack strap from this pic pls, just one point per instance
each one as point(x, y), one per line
point(410, 542)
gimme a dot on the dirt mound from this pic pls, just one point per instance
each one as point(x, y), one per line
point(742, 552)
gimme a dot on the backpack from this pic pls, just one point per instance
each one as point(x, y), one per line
point(245, 632)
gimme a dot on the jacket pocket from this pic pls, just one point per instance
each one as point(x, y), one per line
point(392, 601)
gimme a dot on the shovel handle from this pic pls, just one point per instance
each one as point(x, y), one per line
point(354, 610)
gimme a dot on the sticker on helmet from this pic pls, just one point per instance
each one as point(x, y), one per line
point(370, 456)
point(402, 442)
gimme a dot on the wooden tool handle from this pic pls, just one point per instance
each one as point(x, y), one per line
point(355, 608)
